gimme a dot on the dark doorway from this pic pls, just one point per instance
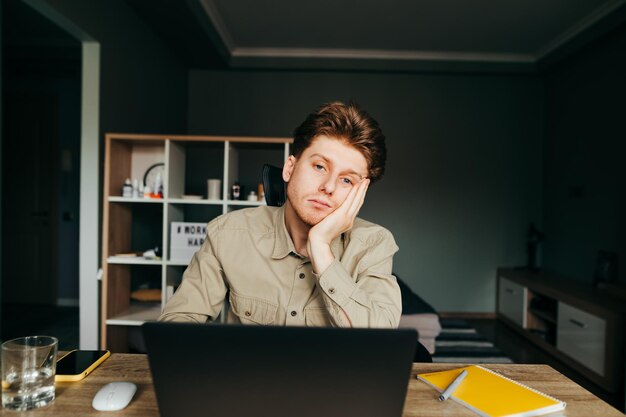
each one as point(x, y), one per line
point(31, 135)
point(41, 67)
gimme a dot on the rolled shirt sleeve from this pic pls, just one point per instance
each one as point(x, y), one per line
point(200, 296)
point(370, 296)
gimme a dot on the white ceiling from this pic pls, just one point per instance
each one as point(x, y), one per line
point(513, 35)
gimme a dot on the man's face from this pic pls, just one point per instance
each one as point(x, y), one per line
point(321, 178)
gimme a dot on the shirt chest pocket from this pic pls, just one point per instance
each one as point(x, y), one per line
point(316, 317)
point(252, 310)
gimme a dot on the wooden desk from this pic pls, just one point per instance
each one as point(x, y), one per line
point(74, 398)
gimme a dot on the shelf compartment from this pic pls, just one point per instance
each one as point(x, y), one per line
point(191, 165)
point(245, 164)
point(548, 316)
point(195, 213)
point(129, 159)
point(542, 316)
point(122, 280)
point(133, 227)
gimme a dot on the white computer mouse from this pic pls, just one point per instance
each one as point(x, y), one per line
point(114, 396)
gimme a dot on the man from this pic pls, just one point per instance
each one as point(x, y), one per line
point(311, 262)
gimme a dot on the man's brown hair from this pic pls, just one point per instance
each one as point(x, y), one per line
point(350, 124)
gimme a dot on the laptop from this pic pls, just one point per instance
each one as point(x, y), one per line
point(236, 371)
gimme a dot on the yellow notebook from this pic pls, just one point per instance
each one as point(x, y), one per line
point(492, 395)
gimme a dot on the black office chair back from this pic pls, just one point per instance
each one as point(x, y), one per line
point(273, 185)
point(422, 354)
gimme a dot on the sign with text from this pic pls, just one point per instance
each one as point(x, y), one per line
point(185, 239)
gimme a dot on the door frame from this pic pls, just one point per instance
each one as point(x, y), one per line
point(88, 261)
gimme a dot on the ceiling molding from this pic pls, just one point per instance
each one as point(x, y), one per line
point(321, 58)
point(218, 24)
point(373, 54)
point(386, 65)
point(379, 60)
point(409, 60)
point(578, 29)
point(52, 14)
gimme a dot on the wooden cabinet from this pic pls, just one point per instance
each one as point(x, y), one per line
point(134, 289)
point(582, 336)
point(579, 324)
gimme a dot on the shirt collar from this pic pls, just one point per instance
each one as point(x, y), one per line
point(283, 245)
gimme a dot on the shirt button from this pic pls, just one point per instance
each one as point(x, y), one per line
point(247, 313)
point(302, 275)
point(294, 314)
point(331, 290)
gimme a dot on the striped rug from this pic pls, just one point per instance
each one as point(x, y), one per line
point(459, 342)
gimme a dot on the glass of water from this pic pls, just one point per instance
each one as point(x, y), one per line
point(28, 369)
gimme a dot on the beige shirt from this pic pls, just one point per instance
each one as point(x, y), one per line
point(249, 256)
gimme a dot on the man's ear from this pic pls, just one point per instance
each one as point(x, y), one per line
point(288, 168)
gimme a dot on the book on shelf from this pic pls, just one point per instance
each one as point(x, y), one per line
point(490, 394)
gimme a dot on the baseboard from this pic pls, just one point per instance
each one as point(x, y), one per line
point(467, 315)
point(67, 302)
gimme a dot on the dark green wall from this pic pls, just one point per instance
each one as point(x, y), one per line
point(585, 150)
point(464, 175)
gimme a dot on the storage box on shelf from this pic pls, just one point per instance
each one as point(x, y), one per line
point(134, 288)
point(579, 324)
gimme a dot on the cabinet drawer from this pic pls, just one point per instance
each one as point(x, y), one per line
point(582, 336)
point(512, 301)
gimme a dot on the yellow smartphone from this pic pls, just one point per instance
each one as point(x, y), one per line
point(77, 364)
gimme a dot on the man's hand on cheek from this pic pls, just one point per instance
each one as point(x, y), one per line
point(336, 223)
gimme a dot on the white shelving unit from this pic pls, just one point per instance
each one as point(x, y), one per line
point(133, 225)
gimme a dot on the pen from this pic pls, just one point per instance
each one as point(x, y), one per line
point(448, 391)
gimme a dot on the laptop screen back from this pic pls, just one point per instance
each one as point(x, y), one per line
point(220, 370)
